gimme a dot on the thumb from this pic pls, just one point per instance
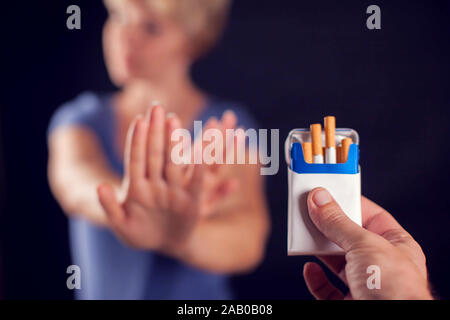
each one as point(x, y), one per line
point(113, 209)
point(329, 218)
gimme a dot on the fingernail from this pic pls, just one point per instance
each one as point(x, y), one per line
point(174, 121)
point(137, 118)
point(170, 115)
point(321, 197)
point(213, 120)
point(313, 267)
point(227, 112)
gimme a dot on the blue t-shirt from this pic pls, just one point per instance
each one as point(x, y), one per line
point(109, 269)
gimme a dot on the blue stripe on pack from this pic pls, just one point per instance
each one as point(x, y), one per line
point(299, 165)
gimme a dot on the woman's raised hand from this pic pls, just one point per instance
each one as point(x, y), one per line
point(161, 202)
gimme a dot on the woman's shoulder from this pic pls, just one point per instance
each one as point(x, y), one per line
point(87, 109)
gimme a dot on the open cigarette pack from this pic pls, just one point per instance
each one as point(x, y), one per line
point(320, 159)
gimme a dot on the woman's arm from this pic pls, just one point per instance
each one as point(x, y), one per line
point(233, 239)
point(76, 166)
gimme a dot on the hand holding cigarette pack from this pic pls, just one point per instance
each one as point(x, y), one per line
point(316, 158)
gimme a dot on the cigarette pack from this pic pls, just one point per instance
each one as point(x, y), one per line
point(342, 180)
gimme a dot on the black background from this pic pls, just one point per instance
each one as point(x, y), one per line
point(291, 63)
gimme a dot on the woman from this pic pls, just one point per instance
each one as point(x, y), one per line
point(153, 229)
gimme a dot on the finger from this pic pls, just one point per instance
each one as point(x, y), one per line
point(173, 172)
point(127, 151)
point(235, 150)
point(137, 147)
point(197, 180)
point(148, 113)
point(212, 122)
point(114, 211)
point(335, 264)
point(195, 150)
point(188, 170)
point(329, 218)
point(195, 188)
point(229, 119)
point(318, 283)
point(200, 143)
point(228, 122)
point(155, 147)
point(240, 150)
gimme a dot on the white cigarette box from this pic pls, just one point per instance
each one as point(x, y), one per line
point(342, 180)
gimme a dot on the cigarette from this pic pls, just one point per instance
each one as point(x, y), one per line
point(346, 142)
point(338, 154)
point(307, 152)
point(316, 135)
point(330, 142)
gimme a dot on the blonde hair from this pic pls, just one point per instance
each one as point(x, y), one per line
point(202, 20)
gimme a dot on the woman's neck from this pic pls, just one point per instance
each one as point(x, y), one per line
point(178, 96)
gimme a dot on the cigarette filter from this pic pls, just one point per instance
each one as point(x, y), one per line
point(316, 137)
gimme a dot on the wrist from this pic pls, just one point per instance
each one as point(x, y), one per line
point(182, 248)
